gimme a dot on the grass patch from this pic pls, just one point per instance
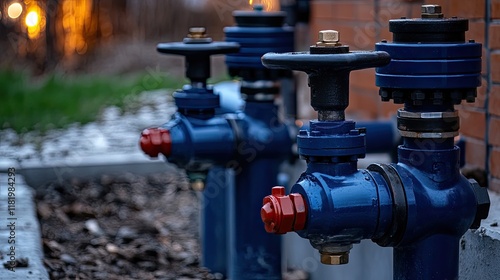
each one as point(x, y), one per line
point(57, 101)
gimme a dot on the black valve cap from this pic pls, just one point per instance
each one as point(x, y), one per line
point(198, 55)
point(328, 73)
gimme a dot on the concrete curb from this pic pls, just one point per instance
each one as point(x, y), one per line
point(24, 230)
point(38, 173)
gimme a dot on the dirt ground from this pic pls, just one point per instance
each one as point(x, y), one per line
point(123, 227)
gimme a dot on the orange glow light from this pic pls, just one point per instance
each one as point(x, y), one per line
point(269, 5)
point(34, 20)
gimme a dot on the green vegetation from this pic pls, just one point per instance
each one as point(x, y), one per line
point(57, 101)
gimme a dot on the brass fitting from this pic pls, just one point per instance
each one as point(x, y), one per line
point(197, 32)
point(198, 185)
point(431, 11)
point(328, 38)
point(335, 258)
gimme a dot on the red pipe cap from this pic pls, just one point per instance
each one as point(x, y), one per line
point(283, 213)
point(155, 141)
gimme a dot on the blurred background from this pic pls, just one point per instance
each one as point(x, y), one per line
point(64, 61)
point(88, 35)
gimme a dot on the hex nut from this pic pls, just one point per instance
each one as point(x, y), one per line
point(328, 36)
point(335, 259)
point(300, 211)
point(483, 203)
point(277, 212)
point(197, 32)
point(431, 9)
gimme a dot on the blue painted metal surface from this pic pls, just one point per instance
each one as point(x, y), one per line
point(254, 254)
point(420, 205)
point(430, 66)
point(265, 143)
point(255, 42)
point(195, 142)
point(253, 143)
point(441, 208)
point(381, 136)
point(345, 205)
point(213, 133)
point(213, 220)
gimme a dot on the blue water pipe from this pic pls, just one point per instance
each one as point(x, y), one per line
point(210, 142)
point(420, 205)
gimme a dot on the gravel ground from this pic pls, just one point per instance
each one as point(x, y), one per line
point(114, 132)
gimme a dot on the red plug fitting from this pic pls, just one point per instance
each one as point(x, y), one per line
point(155, 141)
point(283, 213)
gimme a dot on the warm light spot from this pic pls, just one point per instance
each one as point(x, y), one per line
point(79, 28)
point(14, 10)
point(32, 19)
point(299, 123)
point(268, 5)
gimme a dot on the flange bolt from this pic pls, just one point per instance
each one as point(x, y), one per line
point(283, 213)
point(197, 32)
point(431, 11)
point(328, 38)
point(155, 141)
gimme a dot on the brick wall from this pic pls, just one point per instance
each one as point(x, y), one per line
point(362, 23)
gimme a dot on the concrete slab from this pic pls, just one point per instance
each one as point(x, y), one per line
point(480, 249)
point(20, 233)
point(37, 173)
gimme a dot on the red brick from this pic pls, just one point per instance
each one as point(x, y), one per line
point(393, 10)
point(494, 102)
point(467, 8)
point(321, 9)
point(343, 10)
point(476, 31)
point(415, 10)
point(388, 109)
point(484, 66)
point(495, 162)
point(364, 79)
point(495, 9)
point(495, 66)
point(494, 33)
point(475, 153)
point(494, 184)
point(363, 104)
point(481, 96)
point(494, 131)
point(365, 11)
point(385, 34)
point(472, 123)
